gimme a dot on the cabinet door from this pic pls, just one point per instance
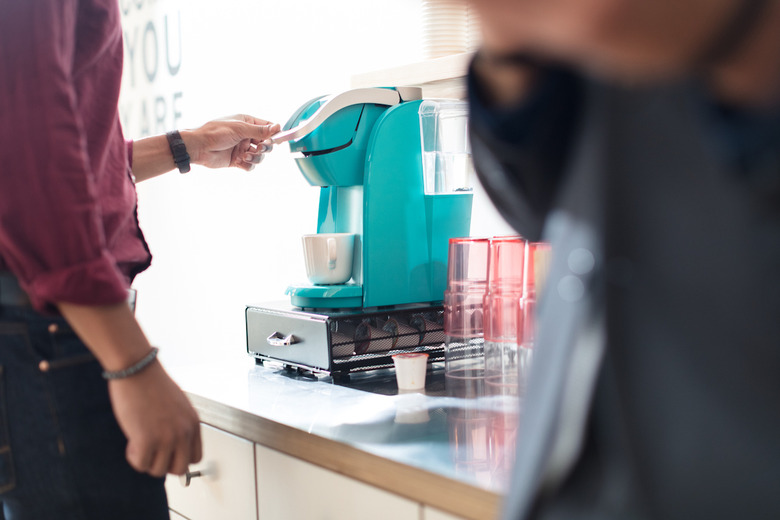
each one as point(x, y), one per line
point(226, 486)
point(291, 488)
point(430, 513)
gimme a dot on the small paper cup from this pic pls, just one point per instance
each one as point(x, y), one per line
point(410, 370)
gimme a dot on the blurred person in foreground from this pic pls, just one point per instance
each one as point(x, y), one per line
point(73, 444)
point(642, 139)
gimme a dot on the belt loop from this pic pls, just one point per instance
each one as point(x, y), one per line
point(11, 292)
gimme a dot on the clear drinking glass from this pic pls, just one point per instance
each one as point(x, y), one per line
point(536, 265)
point(506, 261)
point(526, 334)
point(463, 320)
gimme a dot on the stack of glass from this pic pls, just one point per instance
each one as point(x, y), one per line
point(463, 320)
point(536, 265)
point(501, 306)
point(489, 313)
point(489, 327)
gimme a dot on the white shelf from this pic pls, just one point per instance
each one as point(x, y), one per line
point(439, 78)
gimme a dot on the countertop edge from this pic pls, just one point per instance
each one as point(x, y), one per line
point(451, 496)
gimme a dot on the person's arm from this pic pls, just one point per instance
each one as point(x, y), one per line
point(240, 141)
point(161, 427)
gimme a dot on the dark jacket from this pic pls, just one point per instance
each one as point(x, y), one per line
point(655, 391)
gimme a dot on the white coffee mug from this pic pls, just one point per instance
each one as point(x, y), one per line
point(328, 257)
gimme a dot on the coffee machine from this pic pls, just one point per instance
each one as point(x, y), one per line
point(373, 154)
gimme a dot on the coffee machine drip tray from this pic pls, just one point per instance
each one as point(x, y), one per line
point(338, 342)
point(311, 296)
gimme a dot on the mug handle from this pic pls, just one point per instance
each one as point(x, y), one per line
point(331, 253)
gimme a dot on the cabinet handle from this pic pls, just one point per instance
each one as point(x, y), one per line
point(186, 479)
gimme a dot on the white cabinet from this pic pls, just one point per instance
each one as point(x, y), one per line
point(241, 480)
point(226, 486)
point(291, 488)
point(430, 513)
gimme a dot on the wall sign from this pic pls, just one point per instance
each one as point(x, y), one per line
point(152, 95)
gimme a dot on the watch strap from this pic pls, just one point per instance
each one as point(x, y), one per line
point(179, 151)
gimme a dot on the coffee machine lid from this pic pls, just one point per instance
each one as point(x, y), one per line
point(329, 105)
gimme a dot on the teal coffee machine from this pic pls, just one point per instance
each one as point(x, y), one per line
point(392, 169)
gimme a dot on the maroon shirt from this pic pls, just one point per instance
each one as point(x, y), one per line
point(68, 226)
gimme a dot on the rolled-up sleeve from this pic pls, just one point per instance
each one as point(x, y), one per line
point(129, 147)
point(51, 229)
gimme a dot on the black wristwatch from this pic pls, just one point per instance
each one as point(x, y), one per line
point(179, 151)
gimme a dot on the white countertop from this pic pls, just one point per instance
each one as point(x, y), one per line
point(461, 445)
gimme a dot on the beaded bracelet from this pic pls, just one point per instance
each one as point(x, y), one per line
point(133, 369)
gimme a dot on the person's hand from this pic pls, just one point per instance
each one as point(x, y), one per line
point(622, 39)
point(162, 428)
point(240, 141)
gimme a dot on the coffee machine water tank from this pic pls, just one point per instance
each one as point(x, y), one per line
point(446, 149)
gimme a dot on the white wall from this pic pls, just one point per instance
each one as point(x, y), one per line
point(225, 238)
